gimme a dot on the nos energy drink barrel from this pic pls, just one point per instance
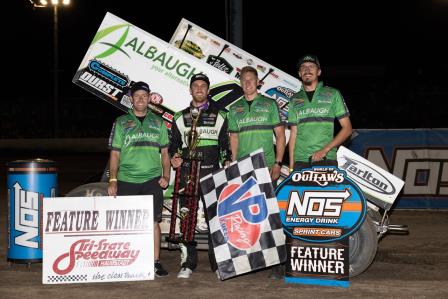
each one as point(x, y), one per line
point(29, 181)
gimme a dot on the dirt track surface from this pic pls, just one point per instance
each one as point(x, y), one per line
point(414, 265)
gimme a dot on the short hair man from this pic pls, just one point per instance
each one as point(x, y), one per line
point(139, 161)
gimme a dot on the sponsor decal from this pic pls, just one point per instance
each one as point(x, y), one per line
point(320, 204)
point(168, 116)
point(92, 253)
point(108, 73)
point(367, 176)
point(26, 218)
point(256, 119)
point(240, 213)
point(140, 137)
point(220, 63)
point(112, 47)
point(320, 207)
point(99, 84)
point(314, 111)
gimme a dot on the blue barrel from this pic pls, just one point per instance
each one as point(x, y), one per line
point(29, 181)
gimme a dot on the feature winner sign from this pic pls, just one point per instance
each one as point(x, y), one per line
point(319, 207)
point(97, 239)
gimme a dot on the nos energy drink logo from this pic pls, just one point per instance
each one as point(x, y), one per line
point(26, 217)
point(320, 204)
point(111, 47)
point(241, 209)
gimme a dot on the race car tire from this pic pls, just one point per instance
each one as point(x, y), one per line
point(363, 247)
point(92, 189)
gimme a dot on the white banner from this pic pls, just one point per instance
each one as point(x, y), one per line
point(97, 239)
point(229, 59)
point(121, 54)
point(378, 185)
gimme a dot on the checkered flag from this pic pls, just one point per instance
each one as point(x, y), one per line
point(244, 218)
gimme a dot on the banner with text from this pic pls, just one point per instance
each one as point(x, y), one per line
point(419, 157)
point(121, 54)
point(97, 239)
point(320, 207)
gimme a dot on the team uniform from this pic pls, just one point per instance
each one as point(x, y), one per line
point(139, 143)
point(213, 148)
point(314, 119)
point(254, 124)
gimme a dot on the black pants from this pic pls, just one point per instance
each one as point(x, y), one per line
point(191, 258)
point(149, 187)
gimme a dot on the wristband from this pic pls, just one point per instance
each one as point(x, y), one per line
point(279, 163)
point(112, 180)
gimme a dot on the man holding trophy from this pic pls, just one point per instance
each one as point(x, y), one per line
point(198, 143)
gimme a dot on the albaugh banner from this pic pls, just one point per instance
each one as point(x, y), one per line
point(97, 239)
point(121, 54)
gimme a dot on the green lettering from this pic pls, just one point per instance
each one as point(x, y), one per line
point(132, 43)
point(140, 48)
point(183, 69)
point(168, 63)
point(161, 58)
point(151, 50)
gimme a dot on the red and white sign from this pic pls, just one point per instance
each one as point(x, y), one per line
point(97, 239)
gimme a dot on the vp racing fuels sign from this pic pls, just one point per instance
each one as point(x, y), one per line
point(320, 204)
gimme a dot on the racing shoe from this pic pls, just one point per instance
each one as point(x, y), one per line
point(160, 271)
point(184, 273)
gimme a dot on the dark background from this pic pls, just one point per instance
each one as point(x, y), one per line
point(388, 58)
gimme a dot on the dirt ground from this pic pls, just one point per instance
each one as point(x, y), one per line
point(414, 265)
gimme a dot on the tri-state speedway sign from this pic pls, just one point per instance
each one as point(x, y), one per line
point(97, 239)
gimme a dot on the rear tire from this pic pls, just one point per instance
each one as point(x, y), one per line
point(363, 247)
point(92, 189)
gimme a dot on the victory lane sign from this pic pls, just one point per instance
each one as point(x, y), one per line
point(320, 207)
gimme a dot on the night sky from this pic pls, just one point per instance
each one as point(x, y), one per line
point(388, 58)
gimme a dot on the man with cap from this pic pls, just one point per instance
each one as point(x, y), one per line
point(139, 160)
point(212, 149)
point(311, 116)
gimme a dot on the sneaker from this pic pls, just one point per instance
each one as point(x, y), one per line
point(184, 273)
point(160, 271)
point(217, 274)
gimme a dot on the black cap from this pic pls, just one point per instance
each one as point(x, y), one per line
point(140, 86)
point(200, 76)
point(308, 58)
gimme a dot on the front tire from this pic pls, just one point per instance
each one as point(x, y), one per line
point(363, 247)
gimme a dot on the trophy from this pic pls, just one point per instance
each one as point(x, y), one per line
point(188, 214)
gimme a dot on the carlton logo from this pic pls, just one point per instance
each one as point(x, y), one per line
point(92, 253)
point(368, 177)
point(241, 210)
